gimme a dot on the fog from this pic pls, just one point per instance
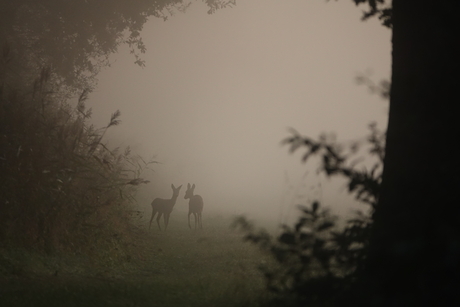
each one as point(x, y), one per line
point(220, 91)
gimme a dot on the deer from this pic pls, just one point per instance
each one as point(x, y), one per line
point(164, 207)
point(195, 205)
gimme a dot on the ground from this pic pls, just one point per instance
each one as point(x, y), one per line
point(179, 267)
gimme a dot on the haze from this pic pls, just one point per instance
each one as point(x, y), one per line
point(219, 91)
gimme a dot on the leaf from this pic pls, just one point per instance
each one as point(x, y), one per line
point(304, 236)
point(302, 221)
point(315, 206)
point(304, 209)
point(325, 225)
point(304, 259)
point(319, 243)
point(279, 253)
point(287, 238)
point(306, 156)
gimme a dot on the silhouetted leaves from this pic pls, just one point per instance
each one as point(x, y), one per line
point(318, 263)
point(315, 206)
point(306, 255)
point(380, 8)
point(287, 238)
point(219, 4)
point(325, 225)
point(364, 184)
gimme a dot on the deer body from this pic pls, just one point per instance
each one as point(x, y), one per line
point(195, 206)
point(164, 207)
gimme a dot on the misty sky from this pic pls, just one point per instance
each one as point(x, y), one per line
point(219, 91)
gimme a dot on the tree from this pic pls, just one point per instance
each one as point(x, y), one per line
point(415, 245)
point(75, 38)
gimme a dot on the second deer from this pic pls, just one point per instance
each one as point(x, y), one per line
point(195, 205)
point(164, 206)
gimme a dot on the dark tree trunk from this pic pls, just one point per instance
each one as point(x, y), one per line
point(414, 254)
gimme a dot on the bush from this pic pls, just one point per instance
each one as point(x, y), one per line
point(319, 264)
point(61, 188)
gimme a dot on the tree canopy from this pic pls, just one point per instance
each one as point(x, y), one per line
point(75, 38)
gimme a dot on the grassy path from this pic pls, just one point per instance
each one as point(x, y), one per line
point(210, 267)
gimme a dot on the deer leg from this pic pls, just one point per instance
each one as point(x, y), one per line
point(196, 217)
point(200, 224)
point(189, 220)
point(158, 219)
point(166, 220)
point(151, 219)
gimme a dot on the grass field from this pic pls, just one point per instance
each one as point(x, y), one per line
point(179, 267)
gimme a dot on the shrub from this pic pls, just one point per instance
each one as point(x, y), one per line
point(318, 264)
point(61, 188)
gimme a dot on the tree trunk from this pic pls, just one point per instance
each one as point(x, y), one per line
point(414, 254)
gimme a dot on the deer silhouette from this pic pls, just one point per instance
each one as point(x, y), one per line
point(195, 205)
point(164, 207)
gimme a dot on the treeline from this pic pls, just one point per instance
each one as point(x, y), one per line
point(61, 187)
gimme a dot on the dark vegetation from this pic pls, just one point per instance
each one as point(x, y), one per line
point(319, 263)
point(62, 189)
point(75, 38)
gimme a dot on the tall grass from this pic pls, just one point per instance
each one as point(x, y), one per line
point(61, 188)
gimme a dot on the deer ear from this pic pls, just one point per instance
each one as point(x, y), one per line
point(193, 186)
point(188, 185)
point(172, 186)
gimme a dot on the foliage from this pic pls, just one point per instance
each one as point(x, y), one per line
point(364, 183)
point(316, 262)
point(382, 88)
point(380, 8)
point(61, 188)
point(319, 263)
point(75, 38)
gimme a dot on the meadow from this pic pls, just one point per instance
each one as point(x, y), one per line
point(178, 267)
